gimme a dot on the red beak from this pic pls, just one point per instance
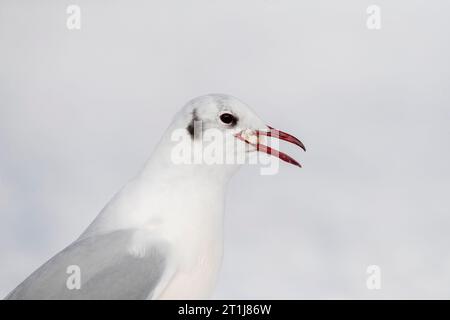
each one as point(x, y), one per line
point(280, 135)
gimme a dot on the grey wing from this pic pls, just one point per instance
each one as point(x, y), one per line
point(106, 271)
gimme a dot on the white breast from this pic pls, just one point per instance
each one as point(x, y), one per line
point(198, 249)
point(188, 216)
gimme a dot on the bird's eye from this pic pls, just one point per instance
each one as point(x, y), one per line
point(228, 118)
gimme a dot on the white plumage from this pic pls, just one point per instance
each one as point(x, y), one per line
point(160, 237)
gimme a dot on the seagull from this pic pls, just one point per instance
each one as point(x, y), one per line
point(161, 235)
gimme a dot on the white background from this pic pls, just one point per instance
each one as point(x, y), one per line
point(80, 112)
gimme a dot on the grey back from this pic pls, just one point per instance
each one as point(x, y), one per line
point(107, 270)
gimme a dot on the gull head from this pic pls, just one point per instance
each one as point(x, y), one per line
point(226, 128)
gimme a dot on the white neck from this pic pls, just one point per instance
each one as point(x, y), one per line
point(169, 195)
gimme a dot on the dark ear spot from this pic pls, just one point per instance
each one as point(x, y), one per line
point(191, 127)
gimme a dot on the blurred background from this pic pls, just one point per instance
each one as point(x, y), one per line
point(81, 110)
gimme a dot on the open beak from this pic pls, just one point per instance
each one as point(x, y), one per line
point(253, 140)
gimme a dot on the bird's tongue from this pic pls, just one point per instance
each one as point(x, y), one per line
point(271, 151)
